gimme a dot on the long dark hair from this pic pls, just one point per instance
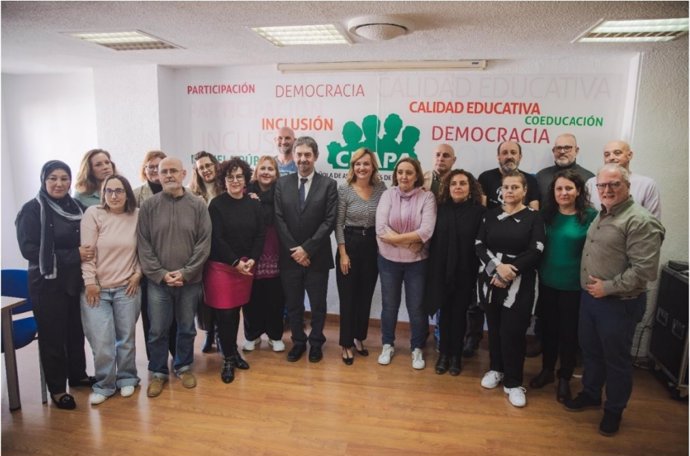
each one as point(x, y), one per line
point(550, 208)
point(475, 188)
point(197, 185)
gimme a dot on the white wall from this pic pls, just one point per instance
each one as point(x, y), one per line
point(129, 110)
point(44, 117)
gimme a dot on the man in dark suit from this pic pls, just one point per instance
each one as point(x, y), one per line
point(305, 208)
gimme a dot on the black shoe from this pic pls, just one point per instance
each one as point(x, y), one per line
point(610, 423)
point(544, 378)
point(238, 361)
point(470, 348)
point(533, 349)
point(347, 358)
point(208, 343)
point(455, 366)
point(363, 351)
point(227, 374)
point(442, 364)
point(296, 352)
point(582, 402)
point(86, 381)
point(66, 402)
point(315, 354)
point(563, 393)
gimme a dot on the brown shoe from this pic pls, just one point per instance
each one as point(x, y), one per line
point(155, 387)
point(188, 379)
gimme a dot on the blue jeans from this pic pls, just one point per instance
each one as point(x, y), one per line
point(393, 274)
point(606, 330)
point(110, 330)
point(165, 303)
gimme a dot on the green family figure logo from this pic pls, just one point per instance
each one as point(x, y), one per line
point(387, 147)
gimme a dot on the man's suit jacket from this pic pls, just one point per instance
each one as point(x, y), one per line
point(312, 226)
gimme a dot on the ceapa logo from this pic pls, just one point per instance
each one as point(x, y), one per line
point(387, 147)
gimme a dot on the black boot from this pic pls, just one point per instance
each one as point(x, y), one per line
point(455, 366)
point(227, 374)
point(208, 344)
point(563, 392)
point(237, 360)
point(442, 364)
point(544, 378)
point(470, 348)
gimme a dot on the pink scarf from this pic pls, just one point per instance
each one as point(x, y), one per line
point(406, 210)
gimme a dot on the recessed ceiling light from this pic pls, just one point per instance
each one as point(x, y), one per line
point(124, 41)
point(302, 34)
point(636, 31)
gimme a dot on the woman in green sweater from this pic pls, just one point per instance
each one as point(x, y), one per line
point(567, 215)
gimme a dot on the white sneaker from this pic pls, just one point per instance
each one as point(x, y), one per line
point(278, 345)
point(491, 379)
point(97, 398)
point(386, 354)
point(250, 345)
point(417, 359)
point(127, 391)
point(516, 396)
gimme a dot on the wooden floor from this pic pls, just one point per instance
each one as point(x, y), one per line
point(281, 408)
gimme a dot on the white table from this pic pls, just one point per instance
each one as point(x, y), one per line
point(9, 303)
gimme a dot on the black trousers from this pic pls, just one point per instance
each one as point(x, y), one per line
point(558, 312)
point(315, 283)
point(264, 312)
point(475, 321)
point(146, 323)
point(507, 328)
point(356, 289)
point(228, 322)
point(60, 337)
point(453, 322)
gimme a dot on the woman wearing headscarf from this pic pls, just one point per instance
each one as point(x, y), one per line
point(453, 264)
point(95, 166)
point(110, 302)
point(48, 232)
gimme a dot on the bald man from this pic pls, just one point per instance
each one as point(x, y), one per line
point(565, 152)
point(173, 243)
point(284, 140)
point(643, 189)
point(444, 158)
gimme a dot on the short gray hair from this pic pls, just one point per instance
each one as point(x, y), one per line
point(625, 174)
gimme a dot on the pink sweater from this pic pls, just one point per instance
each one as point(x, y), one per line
point(115, 239)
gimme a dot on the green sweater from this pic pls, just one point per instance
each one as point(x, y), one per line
point(565, 238)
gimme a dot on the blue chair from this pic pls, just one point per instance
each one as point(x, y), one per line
point(15, 282)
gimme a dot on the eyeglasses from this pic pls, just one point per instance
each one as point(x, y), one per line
point(114, 191)
point(563, 148)
point(206, 166)
point(611, 185)
point(238, 178)
point(151, 168)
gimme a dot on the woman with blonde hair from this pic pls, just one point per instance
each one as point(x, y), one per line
point(355, 232)
point(264, 312)
point(95, 166)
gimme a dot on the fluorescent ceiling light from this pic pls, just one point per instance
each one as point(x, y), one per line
point(302, 34)
point(635, 31)
point(399, 65)
point(124, 41)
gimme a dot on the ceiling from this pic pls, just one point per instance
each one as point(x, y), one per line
point(217, 33)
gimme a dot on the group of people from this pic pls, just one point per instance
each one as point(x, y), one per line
point(259, 240)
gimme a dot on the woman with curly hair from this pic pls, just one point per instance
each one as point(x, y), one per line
point(95, 166)
point(237, 241)
point(567, 215)
point(453, 264)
